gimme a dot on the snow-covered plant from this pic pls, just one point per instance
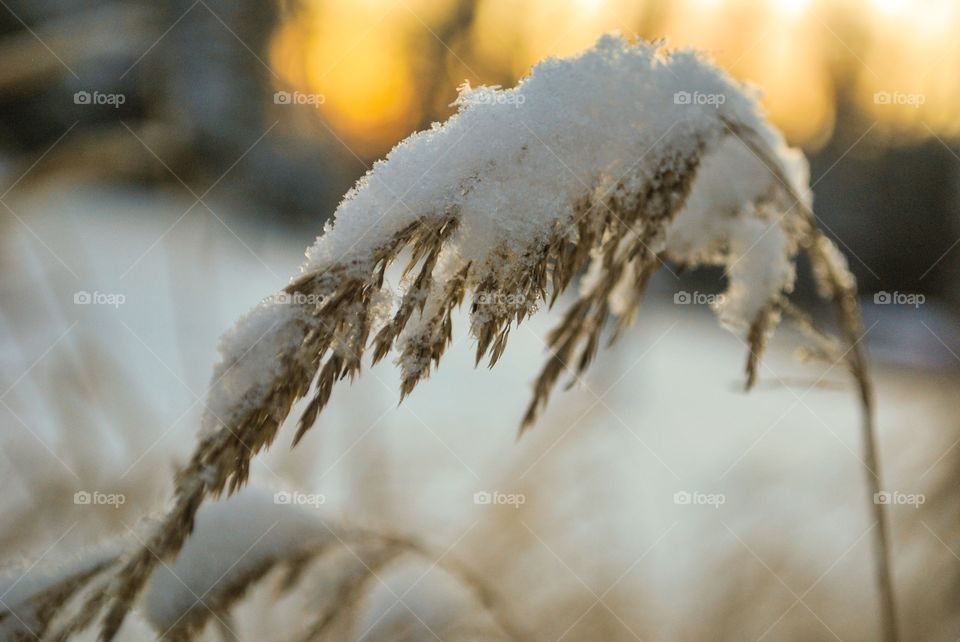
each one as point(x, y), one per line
point(596, 169)
point(235, 545)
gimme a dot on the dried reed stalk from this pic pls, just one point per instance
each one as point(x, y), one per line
point(618, 230)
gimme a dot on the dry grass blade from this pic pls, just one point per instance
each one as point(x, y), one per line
point(631, 225)
point(44, 606)
point(757, 338)
point(217, 604)
point(348, 594)
point(827, 347)
point(92, 606)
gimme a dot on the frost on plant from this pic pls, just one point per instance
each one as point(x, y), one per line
point(600, 166)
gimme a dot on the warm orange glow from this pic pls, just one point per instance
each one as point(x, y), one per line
point(772, 45)
point(910, 81)
point(367, 57)
point(356, 55)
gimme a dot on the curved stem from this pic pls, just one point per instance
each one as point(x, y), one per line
point(841, 291)
point(847, 311)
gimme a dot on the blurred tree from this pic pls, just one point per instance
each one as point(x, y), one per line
point(196, 90)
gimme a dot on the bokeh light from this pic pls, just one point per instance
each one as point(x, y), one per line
point(371, 58)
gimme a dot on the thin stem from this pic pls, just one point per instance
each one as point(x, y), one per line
point(842, 293)
point(881, 538)
point(847, 311)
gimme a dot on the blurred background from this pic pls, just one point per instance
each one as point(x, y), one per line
point(171, 95)
point(164, 164)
